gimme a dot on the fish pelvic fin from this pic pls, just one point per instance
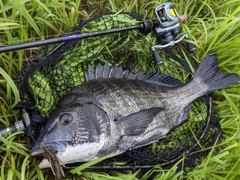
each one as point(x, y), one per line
point(136, 123)
point(208, 73)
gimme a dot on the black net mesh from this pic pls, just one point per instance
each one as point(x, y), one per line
point(57, 69)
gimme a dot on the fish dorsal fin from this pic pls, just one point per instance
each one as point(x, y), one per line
point(90, 74)
point(164, 79)
point(136, 123)
point(105, 71)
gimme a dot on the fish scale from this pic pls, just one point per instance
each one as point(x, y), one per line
point(116, 110)
point(130, 92)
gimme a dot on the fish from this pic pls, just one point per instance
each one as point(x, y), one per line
point(116, 110)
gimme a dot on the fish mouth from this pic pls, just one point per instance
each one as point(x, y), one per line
point(36, 151)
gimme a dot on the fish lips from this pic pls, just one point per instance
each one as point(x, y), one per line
point(59, 148)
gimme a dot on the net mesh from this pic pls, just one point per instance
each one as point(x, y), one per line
point(59, 68)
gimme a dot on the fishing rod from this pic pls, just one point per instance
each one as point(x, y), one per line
point(167, 19)
point(74, 37)
point(144, 25)
point(166, 28)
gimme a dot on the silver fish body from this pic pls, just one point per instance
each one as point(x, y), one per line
point(116, 110)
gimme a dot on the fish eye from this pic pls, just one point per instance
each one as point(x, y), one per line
point(66, 119)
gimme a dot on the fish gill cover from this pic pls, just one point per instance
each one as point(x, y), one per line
point(57, 69)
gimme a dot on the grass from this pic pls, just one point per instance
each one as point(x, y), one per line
point(26, 20)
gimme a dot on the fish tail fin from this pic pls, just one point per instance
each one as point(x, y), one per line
point(209, 74)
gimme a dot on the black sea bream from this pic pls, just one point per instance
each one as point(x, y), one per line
point(116, 110)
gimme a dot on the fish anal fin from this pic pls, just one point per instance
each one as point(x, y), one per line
point(136, 123)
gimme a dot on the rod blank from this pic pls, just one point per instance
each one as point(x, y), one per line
point(68, 38)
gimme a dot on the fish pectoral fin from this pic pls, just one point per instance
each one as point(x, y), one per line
point(136, 123)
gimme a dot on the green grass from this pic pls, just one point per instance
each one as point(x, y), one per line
point(26, 21)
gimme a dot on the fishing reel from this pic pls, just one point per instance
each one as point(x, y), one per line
point(168, 30)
